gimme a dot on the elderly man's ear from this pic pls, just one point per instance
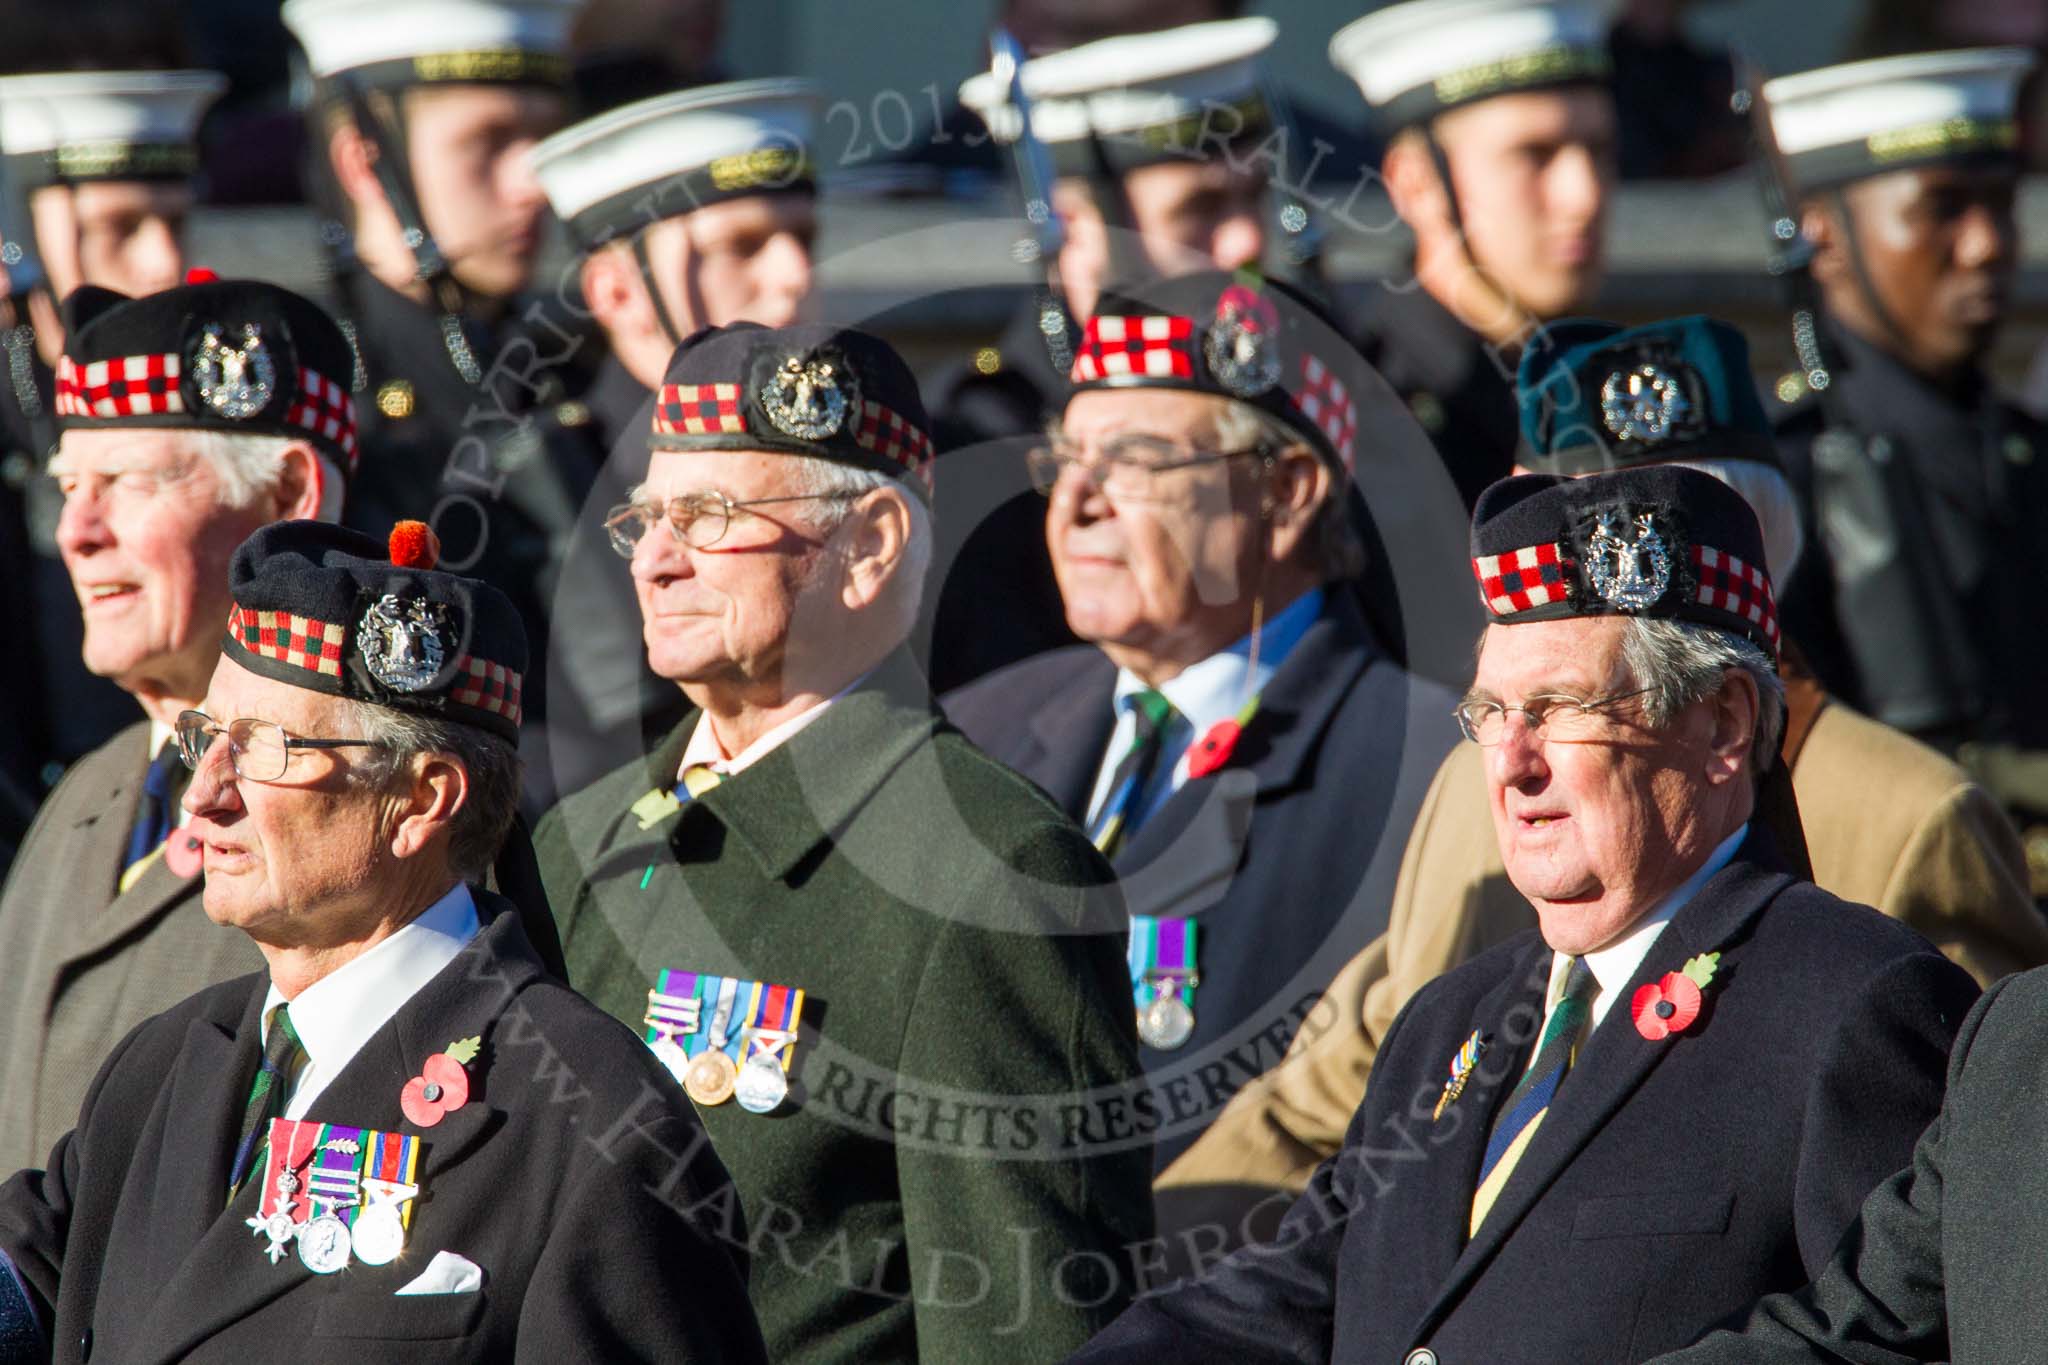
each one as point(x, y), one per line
point(301, 484)
point(425, 802)
point(1292, 489)
point(876, 537)
point(1734, 708)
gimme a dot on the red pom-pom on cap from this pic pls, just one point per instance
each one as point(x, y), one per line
point(414, 545)
point(199, 274)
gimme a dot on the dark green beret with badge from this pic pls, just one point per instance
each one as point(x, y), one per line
point(1594, 396)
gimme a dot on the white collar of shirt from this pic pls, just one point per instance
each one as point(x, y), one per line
point(341, 1011)
point(703, 746)
point(1615, 965)
point(1203, 694)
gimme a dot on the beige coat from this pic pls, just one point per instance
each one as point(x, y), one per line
point(82, 964)
point(1889, 822)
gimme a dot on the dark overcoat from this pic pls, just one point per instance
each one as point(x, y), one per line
point(934, 1186)
point(1286, 856)
point(1671, 1184)
point(1944, 1263)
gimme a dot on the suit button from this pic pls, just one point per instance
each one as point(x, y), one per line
point(85, 1345)
point(1421, 1355)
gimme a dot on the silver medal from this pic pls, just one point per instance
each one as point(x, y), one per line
point(379, 1235)
point(672, 1056)
point(762, 1086)
point(324, 1244)
point(1166, 1023)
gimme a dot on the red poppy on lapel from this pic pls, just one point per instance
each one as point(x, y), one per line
point(1670, 1006)
point(1213, 750)
point(442, 1087)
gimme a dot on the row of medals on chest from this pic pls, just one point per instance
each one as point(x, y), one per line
point(711, 1076)
point(326, 1240)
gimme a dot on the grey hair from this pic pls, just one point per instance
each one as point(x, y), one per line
point(250, 464)
point(844, 483)
point(1339, 553)
point(1681, 662)
point(495, 771)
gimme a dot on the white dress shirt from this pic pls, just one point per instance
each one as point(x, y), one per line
point(1202, 694)
point(341, 1011)
point(703, 747)
point(1615, 965)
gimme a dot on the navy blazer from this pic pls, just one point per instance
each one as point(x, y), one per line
point(1671, 1184)
point(1286, 856)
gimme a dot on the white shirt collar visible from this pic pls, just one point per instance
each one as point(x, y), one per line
point(1203, 694)
point(1614, 966)
point(703, 746)
point(341, 1011)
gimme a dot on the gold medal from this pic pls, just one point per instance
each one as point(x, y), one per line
point(711, 1078)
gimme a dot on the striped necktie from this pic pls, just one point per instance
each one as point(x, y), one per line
point(152, 811)
point(698, 778)
point(1530, 1100)
point(282, 1054)
point(1121, 809)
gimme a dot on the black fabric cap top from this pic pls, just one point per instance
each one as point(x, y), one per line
point(322, 607)
point(1234, 335)
point(832, 393)
point(238, 356)
point(1656, 540)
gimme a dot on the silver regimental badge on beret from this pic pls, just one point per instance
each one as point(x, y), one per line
point(235, 381)
point(403, 641)
point(1630, 574)
point(1643, 404)
point(809, 398)
point(1243, 346)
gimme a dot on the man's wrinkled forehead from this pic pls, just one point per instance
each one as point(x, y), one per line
point(1577, 656)
point(1165, 414)
point(112, 451)
point(239, 693)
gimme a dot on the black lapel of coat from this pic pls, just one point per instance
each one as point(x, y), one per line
point(1507, 1019)
point(1182, 859)
point(1064, 739)
point(211, 1266)
point(468, 995)
point(1614, 1061)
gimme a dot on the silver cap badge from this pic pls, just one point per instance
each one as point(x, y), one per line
point(403, 641)
point(810, 398)
point(235, 381)
point(1630, 574)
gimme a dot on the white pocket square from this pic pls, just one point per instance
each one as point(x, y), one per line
point(447, 1273)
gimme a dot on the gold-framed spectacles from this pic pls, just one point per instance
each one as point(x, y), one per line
point(258, 750)
point(1551, 715)
point(699, 520)
point(1132, 470)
